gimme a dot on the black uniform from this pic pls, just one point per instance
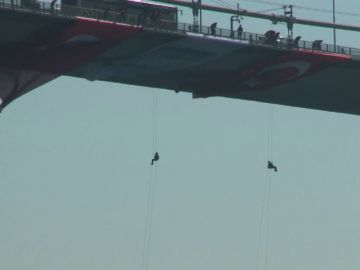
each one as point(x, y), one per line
point(272, 166)
point(155, 158)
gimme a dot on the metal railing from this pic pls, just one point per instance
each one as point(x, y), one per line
point(170, 26)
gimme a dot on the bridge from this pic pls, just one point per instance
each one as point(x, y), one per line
point(45, 43)
point(254, 39)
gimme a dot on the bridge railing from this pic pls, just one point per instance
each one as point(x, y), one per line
point(169, 26)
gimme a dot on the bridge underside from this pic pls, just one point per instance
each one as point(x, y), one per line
point(40, 48)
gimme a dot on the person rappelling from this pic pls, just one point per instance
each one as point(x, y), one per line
point(240, 31)
point(271, 166)
point(155, 158)
point(213, 28)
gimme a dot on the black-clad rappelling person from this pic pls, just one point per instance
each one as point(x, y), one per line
point(271, 166)
point(155, 158)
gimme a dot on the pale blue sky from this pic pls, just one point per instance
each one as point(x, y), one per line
point(75, 168)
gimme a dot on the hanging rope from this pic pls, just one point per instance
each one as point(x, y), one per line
point(268, 182)
point(155, 119)
point(151, 214)
point(264, 224)
point(267, 224)
point(149, 218)
point(264, 200)
point(270, 131)
point(151, 188)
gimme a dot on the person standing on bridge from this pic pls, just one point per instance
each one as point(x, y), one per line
point(240, 31)
point(52, 7)
point(213, 28)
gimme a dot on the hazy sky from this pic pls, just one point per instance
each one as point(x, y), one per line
point(75, 170)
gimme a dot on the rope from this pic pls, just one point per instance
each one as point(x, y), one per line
point(269, 173)
point(267, 232)
point(270, 131)
point(264, 224)
point(258, 250)
point(144, 257)
point(149, 218)
point(155, 119)
point(151, 214)
point(151, 189)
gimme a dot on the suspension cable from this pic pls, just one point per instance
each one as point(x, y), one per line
point(223, 3)
point(322, 10)
point(268, 10)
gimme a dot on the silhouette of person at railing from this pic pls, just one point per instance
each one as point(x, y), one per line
point(296, 42)
point(213, 28)
point(272, 38)
point(251, 40)
point(144, 16)
point(52, 7)
point(122, 14)
point(316, 45)
point(240, 31)
point(195, 27)
point(155, 17)
point(106, 12)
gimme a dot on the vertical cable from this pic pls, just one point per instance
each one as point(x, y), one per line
point(155, 119)
point(147, 218)
point(156, 116)
point(270, 131)
point(264, 200)
point(267, 224)
point(150, 202)
point(264, 226)
point(268, 192)
point(150, 222)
